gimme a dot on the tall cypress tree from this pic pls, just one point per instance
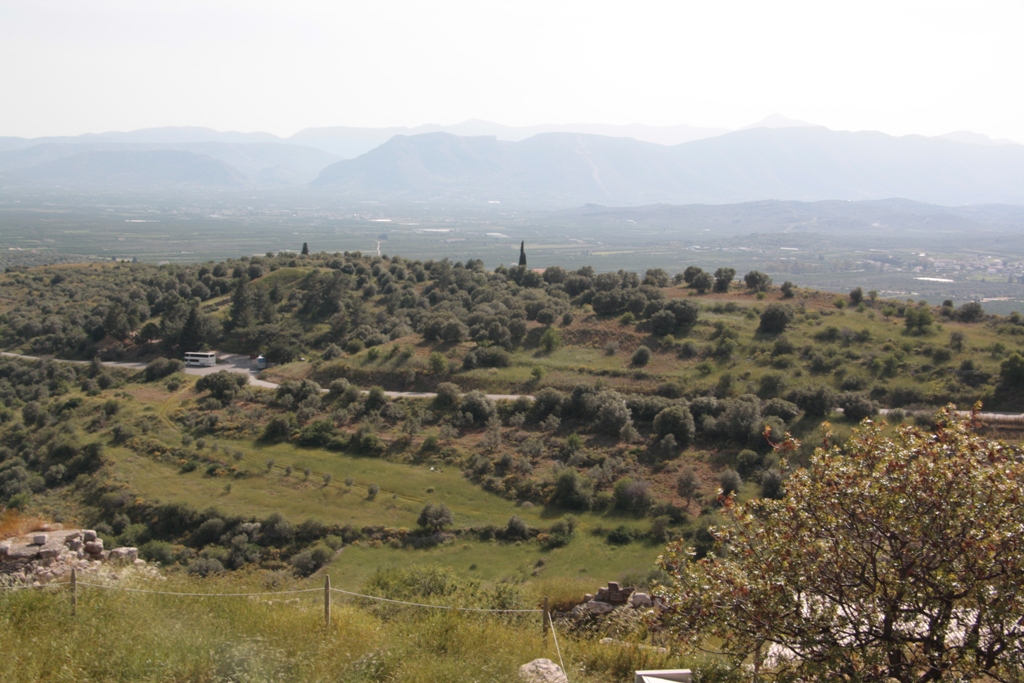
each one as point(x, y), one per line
point(522, 253)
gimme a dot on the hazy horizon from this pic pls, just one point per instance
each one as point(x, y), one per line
point(906, 68)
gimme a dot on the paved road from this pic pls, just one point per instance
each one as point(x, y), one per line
point(243, 365)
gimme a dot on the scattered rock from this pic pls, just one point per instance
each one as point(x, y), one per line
point(638, 600)
point(124, 555)
point(542, 671)
point(26, 561)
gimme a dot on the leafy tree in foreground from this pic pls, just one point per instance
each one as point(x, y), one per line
point(888, 558)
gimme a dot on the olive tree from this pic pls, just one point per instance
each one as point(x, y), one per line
point(435, 517)
point(889, 557)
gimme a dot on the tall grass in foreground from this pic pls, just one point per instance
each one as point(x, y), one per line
point(121, 636)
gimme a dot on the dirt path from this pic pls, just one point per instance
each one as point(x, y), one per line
point(243, 365)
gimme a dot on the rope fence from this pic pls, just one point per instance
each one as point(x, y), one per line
point(547, 622)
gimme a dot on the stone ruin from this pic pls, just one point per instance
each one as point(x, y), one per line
point(609, 597)
point(40, 557)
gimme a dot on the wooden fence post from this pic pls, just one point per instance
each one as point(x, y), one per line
point(545, 618)
point(327, 600)
point(74, 591)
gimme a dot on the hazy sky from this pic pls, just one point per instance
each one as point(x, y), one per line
point(74, 66)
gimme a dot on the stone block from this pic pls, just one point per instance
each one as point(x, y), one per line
point(4, 547)
point(94, 547)
point(613, 594)
point(39, 539)
point(88, 535)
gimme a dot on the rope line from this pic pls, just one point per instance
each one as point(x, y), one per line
point(200, 595)
point(449, 607)
point(554, 634)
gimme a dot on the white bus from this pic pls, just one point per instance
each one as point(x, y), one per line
point(201, 359)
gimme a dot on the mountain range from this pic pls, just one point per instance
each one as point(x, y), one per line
point(478, 161)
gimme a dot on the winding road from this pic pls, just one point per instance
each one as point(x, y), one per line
point(243, 365)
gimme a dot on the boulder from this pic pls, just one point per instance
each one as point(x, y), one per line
point(88, 535)
point(39, 539)
point(599, 607)
point(4, 547)
point(94, 547)
point(124, 555)
point(542, 671)
point(640, 600)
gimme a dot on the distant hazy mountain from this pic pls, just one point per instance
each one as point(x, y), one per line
point(352, 142)
point(800, 163)
point(259, 163)
point(107, 169)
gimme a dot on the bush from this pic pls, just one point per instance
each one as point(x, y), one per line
point(775, 319)
point(279, 428)
point(435, 517)
point(478, 405)
point(223, 385)
point(621, 535)
point(159, 368)
point(572, 490)
point(857, 406)
point(677, 421)
point(633, 495)
point(310, 560)
point(641, 357)
point(516, 530)
point(447, 395)
point(730, 481)
point(157, 551)
point(318, 434)
point(550, 340)
point(205, 566)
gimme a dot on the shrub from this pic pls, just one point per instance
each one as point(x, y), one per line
point(478, 405)
point(551, 339)
point(775, 319)
point(279, 428)
point(516, 530)
point(157, 551)
point(641, 357)
point(621, 535)
point(678, 422)
point(435, 517)
point(205, 566)
point(572, 490)
point(310, 560)
point(447, 395)
point(730, 481)
point(159, 368)
point(857, 406)
point(633, 495)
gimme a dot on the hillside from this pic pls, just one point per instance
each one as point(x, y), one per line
point(640, 397)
